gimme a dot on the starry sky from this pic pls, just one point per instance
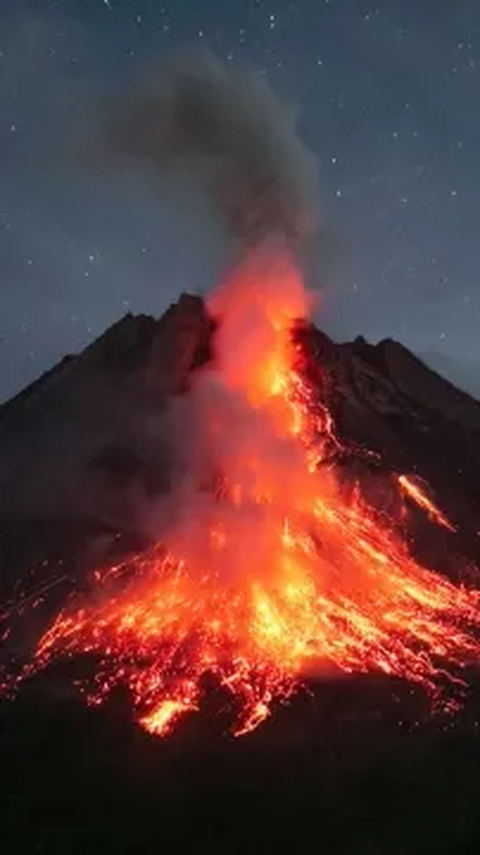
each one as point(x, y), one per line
point(388, 97)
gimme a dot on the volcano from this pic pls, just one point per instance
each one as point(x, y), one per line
point(87, 428)
point(223, 524)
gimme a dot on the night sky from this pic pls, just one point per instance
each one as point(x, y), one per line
point(388, 96)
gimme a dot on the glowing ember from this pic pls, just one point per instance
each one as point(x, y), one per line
point(276, 575)
point(412, 489)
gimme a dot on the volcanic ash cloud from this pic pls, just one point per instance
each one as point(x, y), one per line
point(224, 128)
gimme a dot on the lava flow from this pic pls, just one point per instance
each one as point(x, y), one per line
point(272, 574)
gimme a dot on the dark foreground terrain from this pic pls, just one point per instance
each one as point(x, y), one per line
point(355, 769)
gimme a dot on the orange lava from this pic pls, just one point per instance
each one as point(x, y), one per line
point(276, 574)
point(415, 492)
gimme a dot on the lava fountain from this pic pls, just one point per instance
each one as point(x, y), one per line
point(271, 571)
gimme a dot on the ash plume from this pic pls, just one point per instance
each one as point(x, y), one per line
point(223, 127)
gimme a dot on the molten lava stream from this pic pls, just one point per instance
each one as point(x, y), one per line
point(278, 573)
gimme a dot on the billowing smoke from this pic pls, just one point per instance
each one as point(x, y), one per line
point(225, 127)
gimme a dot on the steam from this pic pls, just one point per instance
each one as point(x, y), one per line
point(226, 129)
point(223, 128)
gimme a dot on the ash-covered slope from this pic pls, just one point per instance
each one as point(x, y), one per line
point(386, 400)
point(78, 441)
point(81, 451)
point(84, 451)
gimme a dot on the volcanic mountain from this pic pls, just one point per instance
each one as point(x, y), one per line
point(83, 456)
point(85, 463)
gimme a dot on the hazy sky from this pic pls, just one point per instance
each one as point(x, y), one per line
point(388, 95)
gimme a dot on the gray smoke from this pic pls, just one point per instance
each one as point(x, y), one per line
point(225, 128)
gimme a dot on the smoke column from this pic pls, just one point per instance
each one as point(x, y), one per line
point(223, 127)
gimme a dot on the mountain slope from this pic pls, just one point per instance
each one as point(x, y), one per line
point(464, 373)
point(86, 444)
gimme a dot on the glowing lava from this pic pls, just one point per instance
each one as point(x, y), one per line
point(415, 492)
point(274, 573)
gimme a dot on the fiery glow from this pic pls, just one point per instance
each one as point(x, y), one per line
point(415, 492)
point(275, 574)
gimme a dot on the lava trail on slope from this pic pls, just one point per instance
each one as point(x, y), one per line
point(273, 573)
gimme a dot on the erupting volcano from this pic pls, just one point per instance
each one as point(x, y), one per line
point(270, 571)
point(268, 568)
